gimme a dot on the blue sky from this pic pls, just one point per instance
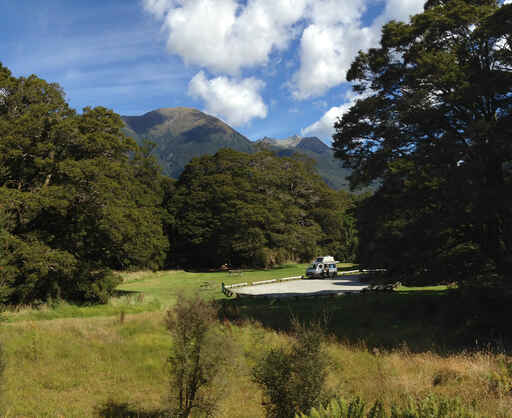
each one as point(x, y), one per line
point(267, 67)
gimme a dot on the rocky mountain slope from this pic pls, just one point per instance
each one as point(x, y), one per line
point(181, 134)
point(328, 167)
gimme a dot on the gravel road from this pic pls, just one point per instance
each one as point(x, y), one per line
point(305, 287)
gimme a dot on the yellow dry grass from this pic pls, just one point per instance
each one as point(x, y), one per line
point(68, 367)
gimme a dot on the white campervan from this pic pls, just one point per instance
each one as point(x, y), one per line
point(323, 267)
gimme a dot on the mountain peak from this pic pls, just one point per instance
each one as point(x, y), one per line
point(290, 142)
point(311, 143)
point(170, 111)
point(181, 133)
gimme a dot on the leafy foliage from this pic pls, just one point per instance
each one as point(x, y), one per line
point(433, 125)
point(195, 357)
point(256, 210)
point(293, 381)
point(429, 407)
point(77, 197)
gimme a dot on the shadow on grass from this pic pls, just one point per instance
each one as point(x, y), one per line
point(426, 292)
point(281, 267)
point(118, 293)
point(444, 322)
point(238, 270)
point(112, 409)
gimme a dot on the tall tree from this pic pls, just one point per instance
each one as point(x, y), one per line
point(77, 196)
point(434, 125)
point(254, 210)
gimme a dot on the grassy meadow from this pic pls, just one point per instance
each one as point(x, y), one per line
point(148, 291)
point(89, 361)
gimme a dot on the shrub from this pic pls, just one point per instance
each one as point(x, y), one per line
point(292, 381)
point(195, 358)
point(500, 381)
point(2, 381)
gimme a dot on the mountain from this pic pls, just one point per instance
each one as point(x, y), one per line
point(181, 134)
point(297, 143)
point(329, 168)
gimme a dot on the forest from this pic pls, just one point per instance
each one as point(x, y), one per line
point(88, 222)
point(432, 129)
point(434, 125)
point(80, 199)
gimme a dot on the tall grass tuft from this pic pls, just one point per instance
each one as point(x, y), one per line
point(429, 407)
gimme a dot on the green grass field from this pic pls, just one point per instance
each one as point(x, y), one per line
point(154, 291)
point(164, 286)
point(71, 360)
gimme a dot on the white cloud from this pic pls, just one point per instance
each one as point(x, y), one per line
point(224, 35)
point(398, 10)
point(326, 55)
point(237, 102)
point(158, 7)
point(324, 128)
point(331, 42)
point(318, 68)
point(335, 12)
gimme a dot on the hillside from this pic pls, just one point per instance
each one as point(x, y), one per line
point(181, 134)
point(329, 168)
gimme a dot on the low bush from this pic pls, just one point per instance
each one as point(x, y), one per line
point(195, 358)
point(428, 407)
point(293, 380)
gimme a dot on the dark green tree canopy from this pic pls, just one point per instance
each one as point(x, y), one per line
point(77, 196)
point(256, 210)
point(434, 125)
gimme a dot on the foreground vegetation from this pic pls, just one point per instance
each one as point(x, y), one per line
point(78, 199)
point(434, 132)
point(395, 347)
point(125, 362)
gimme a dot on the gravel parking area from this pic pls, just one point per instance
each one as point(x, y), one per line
point(305, 287)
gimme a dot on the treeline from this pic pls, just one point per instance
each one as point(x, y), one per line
point(434, 128)
point(257, 210)
point(79, 198)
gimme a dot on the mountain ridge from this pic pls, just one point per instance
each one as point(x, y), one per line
point(329, 168)
point(182, 133)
